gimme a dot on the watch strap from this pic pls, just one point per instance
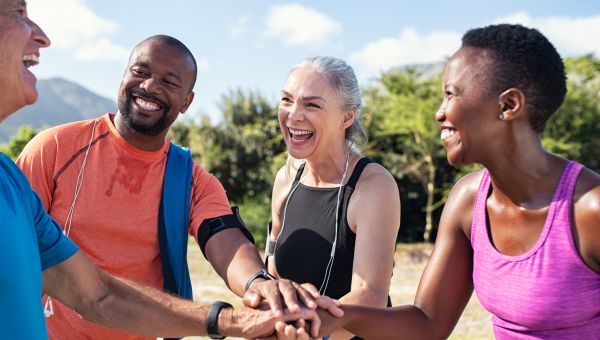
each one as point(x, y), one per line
point(263, 274)
point(212, 320)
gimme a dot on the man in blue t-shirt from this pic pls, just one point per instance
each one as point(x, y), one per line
point(35, 256)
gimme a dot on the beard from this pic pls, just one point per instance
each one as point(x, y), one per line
point(154, 129)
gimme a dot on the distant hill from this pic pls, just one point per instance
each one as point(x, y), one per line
point(60, 101)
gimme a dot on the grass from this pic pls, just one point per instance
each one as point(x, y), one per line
point(410, 260)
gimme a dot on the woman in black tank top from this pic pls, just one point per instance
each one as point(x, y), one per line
point(335, 213)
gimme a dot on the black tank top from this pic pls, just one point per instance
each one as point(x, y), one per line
point(304, 245)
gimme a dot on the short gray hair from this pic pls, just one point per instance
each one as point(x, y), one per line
point(342, 79)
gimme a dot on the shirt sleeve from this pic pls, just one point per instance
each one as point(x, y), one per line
point(208, 199)
point(38, 162)
point(54, 246)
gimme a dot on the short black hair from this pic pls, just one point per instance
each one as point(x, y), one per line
point(175, 43)
point(523, 58)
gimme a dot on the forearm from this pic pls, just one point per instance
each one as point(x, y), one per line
point(363, 296)
point(402, 322)
point(244, 264)
point(131, 307)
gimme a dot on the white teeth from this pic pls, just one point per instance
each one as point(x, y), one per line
point(31, 57)
point(30, 60)
point(299, 132)
point(447, 133)
point(146, 105)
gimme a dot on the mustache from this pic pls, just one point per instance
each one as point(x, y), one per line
point(143, 94)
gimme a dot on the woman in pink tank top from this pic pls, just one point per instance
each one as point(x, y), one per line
point(524, 233)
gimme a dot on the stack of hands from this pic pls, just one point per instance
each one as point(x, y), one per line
point(283, 309)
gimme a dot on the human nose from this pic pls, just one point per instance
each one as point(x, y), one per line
point(440, 114)
point(150, 85)
point(295, 113)
point(38, 35)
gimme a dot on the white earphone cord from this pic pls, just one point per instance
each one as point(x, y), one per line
point(329, 267)
point(48, 307)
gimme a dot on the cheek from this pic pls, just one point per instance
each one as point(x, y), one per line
point(282, 116)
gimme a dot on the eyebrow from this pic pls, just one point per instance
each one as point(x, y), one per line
point(306, 97)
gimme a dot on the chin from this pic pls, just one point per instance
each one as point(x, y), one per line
point(455, 160)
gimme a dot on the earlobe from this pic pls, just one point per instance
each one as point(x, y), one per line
point(511, 104)
point(187, 102)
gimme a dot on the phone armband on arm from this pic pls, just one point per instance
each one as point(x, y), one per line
point(212, 226)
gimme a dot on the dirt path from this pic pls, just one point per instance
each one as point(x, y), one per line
point(410, 259)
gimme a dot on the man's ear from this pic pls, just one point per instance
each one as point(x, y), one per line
point(349, 118)
point(511, 103)
point(187, 102)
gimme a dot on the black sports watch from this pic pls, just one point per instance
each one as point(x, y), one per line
point(263, 274)
point(212, 320)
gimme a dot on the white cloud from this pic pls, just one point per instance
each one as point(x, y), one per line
point(296, 25)
point(571, 36)
point(408, 48)
point(101, 49)
point(238, 29)
point(72, 26)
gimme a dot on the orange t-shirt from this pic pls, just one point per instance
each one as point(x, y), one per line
point(115, 219)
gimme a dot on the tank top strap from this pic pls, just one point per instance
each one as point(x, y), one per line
point(298, 174)
point(479, 224)
point(563, 199)
point(566, 187)
point(358, 169)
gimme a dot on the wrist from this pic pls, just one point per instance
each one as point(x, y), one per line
point(261, 275)
point(216, 323)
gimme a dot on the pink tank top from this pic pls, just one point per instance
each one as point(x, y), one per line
point(546, 293)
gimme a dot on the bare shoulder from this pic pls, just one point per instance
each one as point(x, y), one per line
point(374, 178)
point(586, 197)
point(586, 200)
point(458, 208)
point(281, 186)
point(283, 180)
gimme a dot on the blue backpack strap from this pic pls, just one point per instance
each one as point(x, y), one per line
point(174, 220)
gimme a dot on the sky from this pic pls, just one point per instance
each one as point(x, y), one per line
point(253, 44)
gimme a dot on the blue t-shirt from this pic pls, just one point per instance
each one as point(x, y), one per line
point(31, 241)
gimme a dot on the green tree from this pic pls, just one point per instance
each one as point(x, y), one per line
point(16, 143)
point(573, 131)
point(243, 152)
point(404, 133)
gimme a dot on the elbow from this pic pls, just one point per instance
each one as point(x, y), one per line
point(437, 329)
point(93, 311)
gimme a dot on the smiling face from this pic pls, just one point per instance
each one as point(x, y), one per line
point(310, 116)
point(156, 87)
point(468, 115)
point(20, 43)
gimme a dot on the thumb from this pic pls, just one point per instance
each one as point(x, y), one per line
point(251, 299)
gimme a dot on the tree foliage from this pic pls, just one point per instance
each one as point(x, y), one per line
point(16, 143)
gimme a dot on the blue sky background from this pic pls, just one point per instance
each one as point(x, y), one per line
point(253, 44)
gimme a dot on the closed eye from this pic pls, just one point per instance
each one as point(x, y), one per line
point(138, 73)
point(171, 83)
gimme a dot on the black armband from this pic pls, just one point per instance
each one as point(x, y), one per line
point(211, 226)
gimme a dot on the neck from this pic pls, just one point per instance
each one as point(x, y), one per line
point(328, 170)
point(525, 178)
point(136, 139)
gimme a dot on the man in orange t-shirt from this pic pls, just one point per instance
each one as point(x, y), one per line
point(102, 179)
